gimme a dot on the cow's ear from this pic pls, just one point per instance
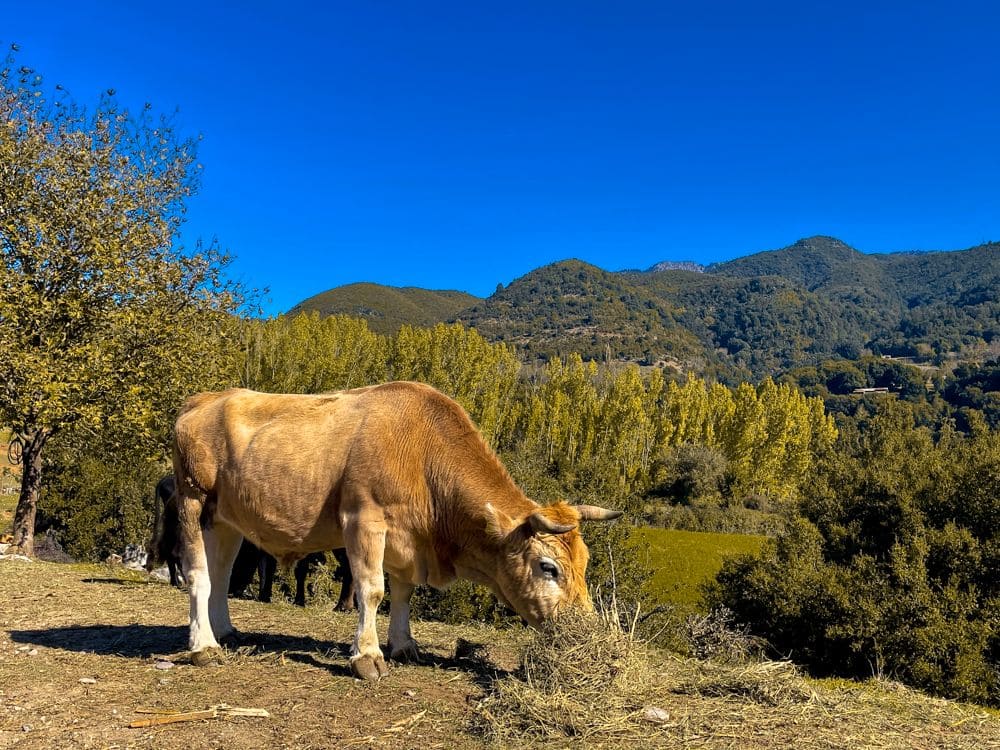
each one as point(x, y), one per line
point(542, 524)
point(498, 523)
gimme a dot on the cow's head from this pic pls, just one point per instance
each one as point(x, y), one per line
point(543, 560)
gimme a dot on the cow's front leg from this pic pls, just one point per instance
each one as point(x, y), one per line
point(201, 641)
point(365, 550)
point(222, 544)
point(402, 647)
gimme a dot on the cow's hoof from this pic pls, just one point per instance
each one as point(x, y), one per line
point(407, 653)
point(207, 657)
point(369, 668)
point(232, 639)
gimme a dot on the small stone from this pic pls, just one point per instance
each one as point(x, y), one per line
point(22, 649)
point(26, 727)
point(164, 664)
point(33, 652)
point(655, 715)
point(88, 681)
point(409, 693)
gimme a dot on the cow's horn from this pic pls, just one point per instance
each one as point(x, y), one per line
point(545, 525)
point(596, 513)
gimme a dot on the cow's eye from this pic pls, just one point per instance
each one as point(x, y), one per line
point(549, 570)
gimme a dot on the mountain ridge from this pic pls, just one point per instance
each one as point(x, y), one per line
point(752, 316)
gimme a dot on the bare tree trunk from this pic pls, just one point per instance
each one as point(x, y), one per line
point(31, 482)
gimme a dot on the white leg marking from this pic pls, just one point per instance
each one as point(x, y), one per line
point(402, 647)
point(196, 571)
point(222, 543)
point(365, 550)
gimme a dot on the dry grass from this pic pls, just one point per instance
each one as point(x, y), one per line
point(587, 683)
point(590, 680)
point(580, 677)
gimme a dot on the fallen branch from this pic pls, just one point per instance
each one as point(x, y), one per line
point(213, 712)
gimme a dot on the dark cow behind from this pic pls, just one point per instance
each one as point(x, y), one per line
point(250, 559)
point(162, 547)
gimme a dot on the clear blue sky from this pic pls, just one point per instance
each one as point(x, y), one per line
point(455, 145)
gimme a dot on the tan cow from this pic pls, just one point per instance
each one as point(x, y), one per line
point(396, 473)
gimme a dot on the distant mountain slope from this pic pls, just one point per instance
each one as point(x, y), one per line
point(573, 306)
point(762, 314)
point(756, 325)
point(930, 302)
point(387, 308)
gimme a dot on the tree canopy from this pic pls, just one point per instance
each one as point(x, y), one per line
point(104, 320)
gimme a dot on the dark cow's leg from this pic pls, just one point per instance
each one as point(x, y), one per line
point(365, 550)
point(346, 601)
point(402, 647)
point(244, 568)
point(301, 573)
point(222, 543)
point(266, 570)
point(172, 567)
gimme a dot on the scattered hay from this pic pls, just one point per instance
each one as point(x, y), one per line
point(581, 676)
point(769, 683)
point(587, 677)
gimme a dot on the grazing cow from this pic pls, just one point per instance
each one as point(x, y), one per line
point(397, 474)
point(249, 560)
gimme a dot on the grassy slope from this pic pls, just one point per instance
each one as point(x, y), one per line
point(387, 308)
point(683, 560)
point(64, 623)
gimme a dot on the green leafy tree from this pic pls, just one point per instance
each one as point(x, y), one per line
point(103, 320)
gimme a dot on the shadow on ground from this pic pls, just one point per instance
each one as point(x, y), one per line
point(148, 641)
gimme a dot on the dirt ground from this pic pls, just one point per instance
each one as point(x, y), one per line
point(86, 650)
point(79, 648)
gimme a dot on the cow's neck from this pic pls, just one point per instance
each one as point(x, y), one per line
point(467, 510)
point(470, 488)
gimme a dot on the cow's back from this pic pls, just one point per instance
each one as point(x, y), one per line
point(273, 464)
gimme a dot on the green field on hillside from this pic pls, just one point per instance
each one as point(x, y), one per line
point(683, 560)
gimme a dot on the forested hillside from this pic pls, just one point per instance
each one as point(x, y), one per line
point(572, 306)
point(760, 315)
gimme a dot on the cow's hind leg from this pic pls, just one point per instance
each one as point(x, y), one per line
point(365, 549)
point(222, 544)
point(201, 641)
point(402, 647)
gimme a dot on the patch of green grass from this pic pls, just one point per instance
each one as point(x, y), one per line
point(683, 560)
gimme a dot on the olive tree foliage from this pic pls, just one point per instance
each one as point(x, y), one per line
point(104, 322)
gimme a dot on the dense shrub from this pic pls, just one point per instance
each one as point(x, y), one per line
point(893, 568)
point(97, 497)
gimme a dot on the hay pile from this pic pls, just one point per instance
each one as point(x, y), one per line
point(581, 676)
point(588, 677)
